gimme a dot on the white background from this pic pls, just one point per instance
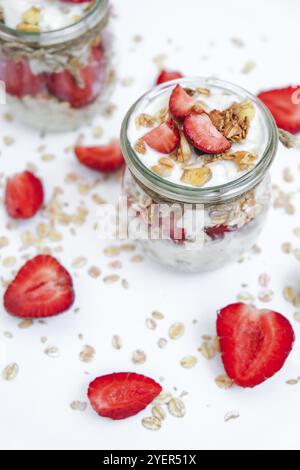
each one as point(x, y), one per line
point(35, 407)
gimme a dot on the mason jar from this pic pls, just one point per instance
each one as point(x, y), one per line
point(197, 229)
point(58, 80)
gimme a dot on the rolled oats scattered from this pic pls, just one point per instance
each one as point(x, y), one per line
point(162, 343)
point(286, 247)
point(176, 407)
point(289, 294)
point(48, 157)
point(52, 351)
point(245, 297)
point(231, 415)
point(292, 382)
point(87, 354)
point(77, 405)
point(266, 295)
point(297, 253)
point(137, 259)
point(94, 272)
point(157, 315)
point(188, 362)
point(158, 412)
point(112, 251)
point(264, 280)
point(8, 140)
point(248, 67)
point(111, 279)
point(125, 283)
point(3, 242)
point(151, 423)
point(138, 357)
point(151, 324)
point(116, 342)
point(10, 371)
point(79, 262)
point(176, 330)
point(207, 349)
point(297, 316)
point(9, 261)
point(224, 382)
point(127, 247)
point(26, 323)
point(163, 397)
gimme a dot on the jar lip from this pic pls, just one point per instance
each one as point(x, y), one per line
point(97, 13)
point(201, 195)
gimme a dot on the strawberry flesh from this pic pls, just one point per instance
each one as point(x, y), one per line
point(254, 343)
point(24, 195)
point(202, 134)
point(217, 232)
point(164, 138)
point(284, 104)
point(19, 79)
point(120, 395)
point(181, 104)
point(167, 76)
point(106, 158)
point(42, 288)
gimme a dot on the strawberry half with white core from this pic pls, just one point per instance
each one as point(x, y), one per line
point(164, 138)
point(19, 79)
point(284, 104)
point(254, 343)
point(105, 158)
point(24, 195)
point(42, 288)
point(180, 104)
point(202, 134)
point(121, 395)
point(167, 76)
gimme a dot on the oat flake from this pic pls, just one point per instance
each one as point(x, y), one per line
point(111, 279)
point(87, 354)
point(94, 272)
point(176, 407)
point(157, 315)
point(162, 343)
point(231, 415)
point(79, 262)
point(116, 342)
point(10, 371)
point(158, 412)
point(26, 323)
point(151, 324)
point(224, 382)
point(52, 351)
point(188, 362)
point(138, 357)
point(151, 423)
point(77, 405)
point(176, 330)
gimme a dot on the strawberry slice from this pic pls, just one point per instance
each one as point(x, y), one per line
point(254, 343)
point(167, 76)
point(284, 104)
point(180, 103)
point(105, 158)
point(24, 195)
point(64, 86)
point(42, 288)
point(164, 138)
point(217, 232)
point(75, 1)
point(118, 396)
point(19, 79)
point(200, 132)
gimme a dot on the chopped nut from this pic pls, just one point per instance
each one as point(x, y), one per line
point(233, 123)
point(145, 120)
point(196, 176)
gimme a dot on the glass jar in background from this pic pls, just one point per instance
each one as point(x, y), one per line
point(58, 80)
point(232, 214)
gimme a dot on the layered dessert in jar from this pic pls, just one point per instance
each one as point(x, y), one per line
point(56, 60)
point(197, 183)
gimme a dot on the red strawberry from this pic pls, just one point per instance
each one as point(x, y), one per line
point(218, 231)
point(75, 1)
point(254, 343)
point(284, 104)
point(19, 79)
point(166, 76)
point(24, 195)
point(118, 396)
point(200, 132)
point(164, 138)
point(64, 87)
point(106, 158)
point(42, 288)
point(181, 103)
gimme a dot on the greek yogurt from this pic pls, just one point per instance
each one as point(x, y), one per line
point(221, 171)
point(42, 15)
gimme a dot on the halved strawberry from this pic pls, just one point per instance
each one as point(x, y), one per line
point(24, 195)
point(254, 343)
point(120, 395)
point(42, 288)
point(180, 103)
point(105, 158)
point(284, 104)
point(200, 132)
point(167, 76)
point(217, 232)
point(64, 86)
point(19, 79)
point(164, 138)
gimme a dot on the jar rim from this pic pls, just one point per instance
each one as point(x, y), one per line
point(98, 13)
point(211, 194)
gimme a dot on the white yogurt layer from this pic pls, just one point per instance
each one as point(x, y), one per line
point(222, 171)
point(55, 14)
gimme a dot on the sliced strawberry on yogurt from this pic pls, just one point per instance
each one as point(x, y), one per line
point(202, 134)
point(164, 138)
point(284, 104)
point(19, 79)
point(180, 104)
point(254, 343)
point(167, 76)
point(64, 86)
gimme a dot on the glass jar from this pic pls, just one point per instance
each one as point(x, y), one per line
point(197, 229)
point(58, 80)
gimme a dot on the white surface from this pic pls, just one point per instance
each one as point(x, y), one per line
point(34, 408)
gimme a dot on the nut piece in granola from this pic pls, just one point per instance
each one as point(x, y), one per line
point(234, 122)
point(196, 176)
point(244, 160)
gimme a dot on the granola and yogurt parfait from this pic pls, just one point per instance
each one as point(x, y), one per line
point(56, 60)
point(197, 184)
